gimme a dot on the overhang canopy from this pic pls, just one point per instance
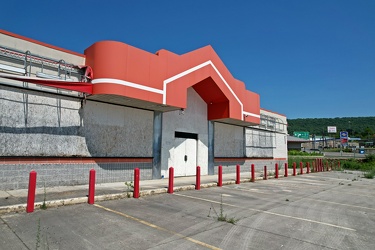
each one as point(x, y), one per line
point(83, 87)
point(134, 77)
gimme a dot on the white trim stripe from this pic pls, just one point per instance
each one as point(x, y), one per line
point(250, 114)
point(171, 79)
point(128, 84)
point(230, 89)
point(186, 72)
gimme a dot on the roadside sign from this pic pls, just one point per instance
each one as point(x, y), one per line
point(344, 137)
point(302, 134)
point(332, 129)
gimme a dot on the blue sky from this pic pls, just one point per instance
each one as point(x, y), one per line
point(306, 59)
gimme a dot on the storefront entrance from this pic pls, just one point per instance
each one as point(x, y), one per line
point(185, 154)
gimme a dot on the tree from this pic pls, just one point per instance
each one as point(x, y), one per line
point(368, 133)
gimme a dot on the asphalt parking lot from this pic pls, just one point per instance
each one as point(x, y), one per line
point(328, 210)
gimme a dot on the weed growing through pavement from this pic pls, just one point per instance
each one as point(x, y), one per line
point(130, 188)
point(38, 235)
point(222, 216)
point(44, 205)
point(39, 242)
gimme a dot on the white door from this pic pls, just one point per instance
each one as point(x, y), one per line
point(185, 156)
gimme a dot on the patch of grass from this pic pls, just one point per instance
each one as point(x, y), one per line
point(370, 174)
point(301, 153)
point(367, 166)
point(297, 160)
point(370, 158)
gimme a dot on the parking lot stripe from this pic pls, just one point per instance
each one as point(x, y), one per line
point(347, 193)
point(158, 228)
point(336, 203)
point(268, 212)
point(341, 204)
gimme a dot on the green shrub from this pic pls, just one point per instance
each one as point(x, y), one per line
point(302, 153)
point(351, 164)
point(370, 174)
point(370, 158)
point(367, 165)
point(297, 160)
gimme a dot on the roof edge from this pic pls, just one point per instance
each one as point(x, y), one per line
point(40, 43)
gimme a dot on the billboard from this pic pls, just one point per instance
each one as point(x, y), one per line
point(332, 129)
point(302, 134)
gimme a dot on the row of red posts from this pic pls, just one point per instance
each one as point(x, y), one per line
point(317, 166)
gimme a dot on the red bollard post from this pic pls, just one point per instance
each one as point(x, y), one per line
point(136, 183)
point(319, 170)
point(252, 172)
point(308, 167)
point(327, 166)
point(320, 165)
point(170, 181)
point(286, 169)
point(31, 192)
point(198, 179)
point(276, 171)
point(265, 173)
point(294, 169)
point(301, 167)
point(238, 174)
point(91, 199)
point(220, 177)
point(313, 167)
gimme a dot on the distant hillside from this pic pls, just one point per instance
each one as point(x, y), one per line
point(363, 127)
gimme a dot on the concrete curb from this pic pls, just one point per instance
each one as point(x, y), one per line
point(80, 200)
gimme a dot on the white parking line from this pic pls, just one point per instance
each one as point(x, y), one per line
point(268, 212)
point(341, 204)
point(301, 182)
point(273, 192)
point(341, 192)
point(158, 228)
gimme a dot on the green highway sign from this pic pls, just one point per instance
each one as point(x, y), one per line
point(302, 134)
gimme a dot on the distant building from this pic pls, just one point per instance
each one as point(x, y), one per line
point(295, 143)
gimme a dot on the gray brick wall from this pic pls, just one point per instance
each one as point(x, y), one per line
point(230, 166)
point(15, 176)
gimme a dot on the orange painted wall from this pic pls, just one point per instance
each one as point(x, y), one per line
point(116, 60)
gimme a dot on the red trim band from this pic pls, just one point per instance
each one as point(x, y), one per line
point(70, 160)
